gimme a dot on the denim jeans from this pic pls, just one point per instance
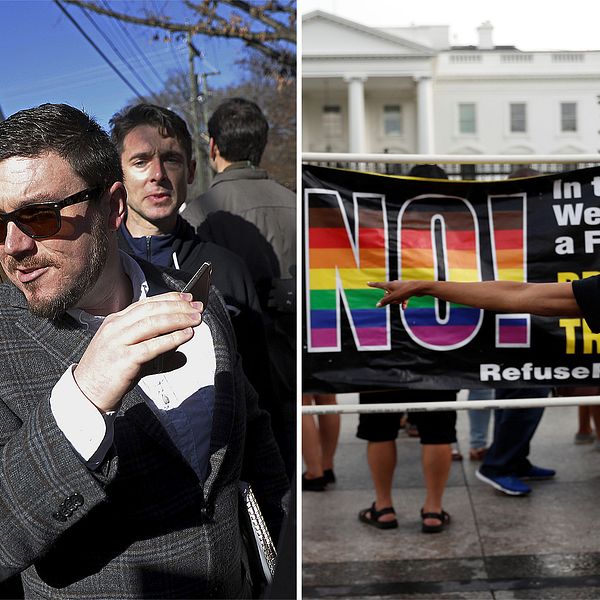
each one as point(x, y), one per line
point(513, 430)
point(479, 420)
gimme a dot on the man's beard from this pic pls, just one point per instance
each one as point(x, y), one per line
point(53, 308)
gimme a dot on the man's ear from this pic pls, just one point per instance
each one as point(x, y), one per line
point(191, 171)
point(117, 204)
point(213, 148)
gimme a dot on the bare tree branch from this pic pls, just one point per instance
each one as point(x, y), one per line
point(254, 24)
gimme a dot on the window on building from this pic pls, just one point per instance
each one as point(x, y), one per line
point(518, 117)
point(332, 121)
point(466, 118)
point(568, 116)
point(392, 119)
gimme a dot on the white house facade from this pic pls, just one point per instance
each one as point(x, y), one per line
point(407, 91)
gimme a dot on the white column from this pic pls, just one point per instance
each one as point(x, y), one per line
point(425, 143)
point(356, 113)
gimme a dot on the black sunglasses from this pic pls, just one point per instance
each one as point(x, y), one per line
point(42, 219)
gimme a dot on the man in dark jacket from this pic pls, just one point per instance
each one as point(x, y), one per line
point(156, 155)
point(255, 217)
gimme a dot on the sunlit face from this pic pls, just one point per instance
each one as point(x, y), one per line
point(157, 174)
point(53, 273)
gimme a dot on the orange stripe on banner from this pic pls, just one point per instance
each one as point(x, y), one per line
point(462, 259)
point(324, 258)
point(417, 258)
point(509, 259)
point(373, 258)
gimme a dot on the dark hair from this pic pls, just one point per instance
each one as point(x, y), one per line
point(240, 130)
point(523, 172)
point(428, 172)
point(68, 132)
point(168, 123)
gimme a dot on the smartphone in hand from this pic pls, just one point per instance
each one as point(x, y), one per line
point(199, 284)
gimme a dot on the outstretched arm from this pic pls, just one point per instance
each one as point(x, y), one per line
point(545, 299)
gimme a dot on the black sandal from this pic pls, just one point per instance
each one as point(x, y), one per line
point(370, 516)
point(443, 517)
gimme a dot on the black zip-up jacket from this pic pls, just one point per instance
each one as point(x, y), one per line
point(231, 277)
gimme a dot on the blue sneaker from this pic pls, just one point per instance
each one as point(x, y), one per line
point(538, 473)
point(508, 484)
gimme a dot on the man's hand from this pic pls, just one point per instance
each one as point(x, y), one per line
point(129, 340)
point(396, 292)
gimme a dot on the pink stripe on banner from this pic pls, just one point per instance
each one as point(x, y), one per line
point(443, 335)
point(324, 338)
point(372, 336)
point(508, 334)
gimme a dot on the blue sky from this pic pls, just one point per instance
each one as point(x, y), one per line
point(44, 58)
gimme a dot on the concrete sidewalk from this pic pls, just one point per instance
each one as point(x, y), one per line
point(497, 547)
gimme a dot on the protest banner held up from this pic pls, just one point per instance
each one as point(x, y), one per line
point(361, 227)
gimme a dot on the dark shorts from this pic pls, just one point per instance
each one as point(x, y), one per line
point(435, 427)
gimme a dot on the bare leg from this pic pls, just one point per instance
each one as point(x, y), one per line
point(436, 460)
point(584, 420)
point(381, 457)
point(595, 412)
point(329, 431)
point(311, 445)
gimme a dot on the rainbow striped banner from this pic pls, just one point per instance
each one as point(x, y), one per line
point(341, 259)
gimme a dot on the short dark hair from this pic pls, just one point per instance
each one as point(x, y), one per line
point(168, 123)
point(68, 132)
point(240, 130)
point(428, 172)
point(523, 171)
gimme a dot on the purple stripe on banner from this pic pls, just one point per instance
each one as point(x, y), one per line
point(507, 334)
point(443, 335)
point(372, 336)
point(324, 338)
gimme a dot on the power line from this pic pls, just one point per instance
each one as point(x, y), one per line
point(93, 44)
point(131, 40)
point(173, 51)
point(117, 52)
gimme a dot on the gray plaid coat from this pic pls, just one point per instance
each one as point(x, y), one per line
point(140, 526)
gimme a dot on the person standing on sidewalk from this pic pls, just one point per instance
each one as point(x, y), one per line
point(437, 432)
point(319, 442)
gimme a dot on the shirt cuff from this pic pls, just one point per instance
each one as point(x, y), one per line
point(85, 427)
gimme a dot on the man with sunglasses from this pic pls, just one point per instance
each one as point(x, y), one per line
point(125, 419)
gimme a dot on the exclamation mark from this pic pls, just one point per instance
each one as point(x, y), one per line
point(508, 228)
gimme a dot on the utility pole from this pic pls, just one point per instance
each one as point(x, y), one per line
point(204, 98)
point(194, 98)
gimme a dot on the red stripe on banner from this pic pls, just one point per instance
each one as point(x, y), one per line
point(413, 238)
point(371, 238)
point(508, 239)
point(461, 240)
point(328, 237)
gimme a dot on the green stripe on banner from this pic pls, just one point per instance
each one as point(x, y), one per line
point(429, 302)
point(366, 298)
point(322, 299)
